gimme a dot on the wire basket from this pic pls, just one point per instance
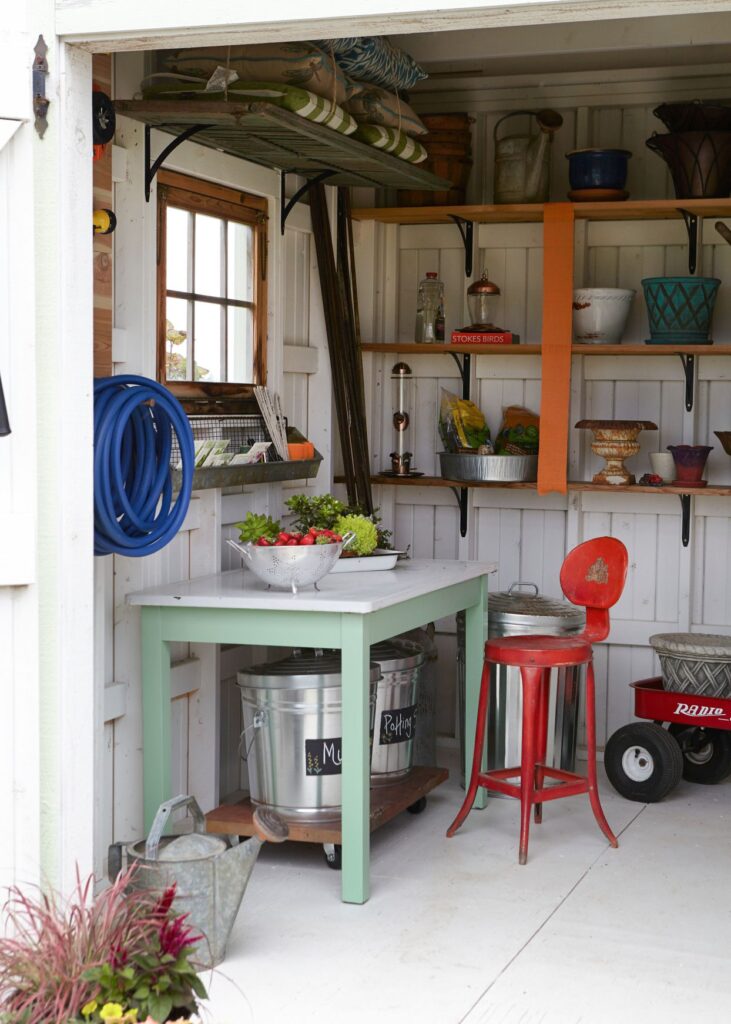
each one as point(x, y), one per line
point(240, 431)
point(697, 663)
point(699, 162)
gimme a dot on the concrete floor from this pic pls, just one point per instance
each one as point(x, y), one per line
point(456, 932)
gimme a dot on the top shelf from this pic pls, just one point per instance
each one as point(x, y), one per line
point(532, 213)
point(414, 348)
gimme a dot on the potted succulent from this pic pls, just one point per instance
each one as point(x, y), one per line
point(121, 957)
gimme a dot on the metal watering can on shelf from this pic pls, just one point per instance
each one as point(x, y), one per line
point(522, 162)
point(209, 874)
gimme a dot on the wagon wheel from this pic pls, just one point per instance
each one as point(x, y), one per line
point(706, 753)
point(643, 762)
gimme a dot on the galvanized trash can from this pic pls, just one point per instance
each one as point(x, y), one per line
point(425, 742)
point(396, 720)
point(514, 613)
point(292, 738)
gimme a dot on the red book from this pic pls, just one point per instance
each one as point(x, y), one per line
point(484, 338)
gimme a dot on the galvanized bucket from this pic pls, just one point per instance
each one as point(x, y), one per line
point(396, 721)
point(292, 711)
point(210, 876)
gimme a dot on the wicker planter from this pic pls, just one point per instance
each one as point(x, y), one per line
point(680, 309)
point(697, 663)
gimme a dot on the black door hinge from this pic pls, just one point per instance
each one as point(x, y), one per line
point(40, 70)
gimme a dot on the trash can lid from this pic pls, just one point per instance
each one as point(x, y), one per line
point(398, 655)
point(517, 608)
point(303, 669)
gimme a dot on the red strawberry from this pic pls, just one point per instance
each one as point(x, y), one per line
point(308, 539)
point(263, 543)
point(284, 537)
point(291, 543)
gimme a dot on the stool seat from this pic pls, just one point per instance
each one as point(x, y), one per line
point(542, 651)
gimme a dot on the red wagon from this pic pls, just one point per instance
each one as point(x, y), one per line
point(644, 761)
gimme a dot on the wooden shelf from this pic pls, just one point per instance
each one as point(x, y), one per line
point(412, 348)
point(526, 213)
point(267, 135)
point(572, 485)
point(386, 802)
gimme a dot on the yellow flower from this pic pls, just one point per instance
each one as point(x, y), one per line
point(111, 1012)
point(88, 1008)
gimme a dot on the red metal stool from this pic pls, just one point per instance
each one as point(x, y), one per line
point(592, 575)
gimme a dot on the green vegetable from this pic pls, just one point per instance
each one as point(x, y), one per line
point(255, 526)
point(365, 530)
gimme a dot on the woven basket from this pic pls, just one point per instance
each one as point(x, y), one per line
point(697, 663)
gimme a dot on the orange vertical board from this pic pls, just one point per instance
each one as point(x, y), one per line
point(558, 286)
point(103, 246)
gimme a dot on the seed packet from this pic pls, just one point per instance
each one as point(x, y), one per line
point(518, 434)
point(462, 427)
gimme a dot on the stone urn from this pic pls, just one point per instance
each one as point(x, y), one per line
point(614, 441)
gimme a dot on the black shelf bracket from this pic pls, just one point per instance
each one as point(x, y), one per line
point(466, 230)
point(151, 171)
point(460, 494)
point(287, 205)
point(688, 362)
point(685, 519)
point(463, 365)
point(691, 224)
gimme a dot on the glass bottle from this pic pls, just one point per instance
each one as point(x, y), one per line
point(429, 327)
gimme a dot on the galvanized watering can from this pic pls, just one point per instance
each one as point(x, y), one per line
point(522, 162)
point(210, 876)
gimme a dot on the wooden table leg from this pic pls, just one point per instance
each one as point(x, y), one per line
point(474, 655)
point(356, 712)
point(155, 714)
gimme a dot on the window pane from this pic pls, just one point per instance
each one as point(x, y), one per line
point(178, 222)
point(208, 340)
point(240, 354)
point(176, 339)
point(240, 262)
point(208, 262)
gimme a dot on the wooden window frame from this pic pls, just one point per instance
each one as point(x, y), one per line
point(199, 196)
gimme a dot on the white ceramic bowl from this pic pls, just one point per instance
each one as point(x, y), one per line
point(293, 567)
point(600, 314)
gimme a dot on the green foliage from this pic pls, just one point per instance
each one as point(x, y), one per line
point(255, 526)
point(319, 511)
point(366, 534)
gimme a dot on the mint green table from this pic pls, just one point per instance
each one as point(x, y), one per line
point(350, 611)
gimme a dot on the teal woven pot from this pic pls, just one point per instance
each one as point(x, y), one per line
point(680, 309)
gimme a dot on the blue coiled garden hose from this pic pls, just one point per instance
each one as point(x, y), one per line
point(134, 420)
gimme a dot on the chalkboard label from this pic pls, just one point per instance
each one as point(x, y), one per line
point(324, 757)
point(398, 725)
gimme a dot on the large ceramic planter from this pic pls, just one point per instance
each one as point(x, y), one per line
point(690, 461)
point(680, 309)
point(600, 314)
point(614, 441)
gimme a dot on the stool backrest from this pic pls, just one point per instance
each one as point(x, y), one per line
point(593, 575)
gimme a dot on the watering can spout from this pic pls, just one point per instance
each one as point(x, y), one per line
point(549, 121)
point(235, 865)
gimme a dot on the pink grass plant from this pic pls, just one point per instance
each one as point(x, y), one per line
point(48, 957)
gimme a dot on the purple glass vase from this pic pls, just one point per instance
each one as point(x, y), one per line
point(690, 461)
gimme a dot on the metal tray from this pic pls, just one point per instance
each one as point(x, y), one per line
point(496, 468)
point(380, 559)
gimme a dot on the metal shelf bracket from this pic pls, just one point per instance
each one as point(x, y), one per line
point(463, 365)
point(460, 494)
point(688, 362)
point(287, 205)
point(685, 520)
point(151, 171)
point(691, 224)
point(466, 230)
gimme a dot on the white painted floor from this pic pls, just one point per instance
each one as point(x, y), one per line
point(456, 931)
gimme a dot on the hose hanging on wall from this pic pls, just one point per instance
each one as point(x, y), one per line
point(134, 420)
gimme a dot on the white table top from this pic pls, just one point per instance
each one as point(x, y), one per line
point(359, 592)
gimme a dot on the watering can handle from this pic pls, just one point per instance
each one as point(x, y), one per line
point(161, 819)
point(513, 113)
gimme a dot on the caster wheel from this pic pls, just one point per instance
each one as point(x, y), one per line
point(333, 855)
point(706, 753)
point(103, 118)
point(418, 806)
point(643, 762)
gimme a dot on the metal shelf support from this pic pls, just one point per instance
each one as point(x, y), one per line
point(466, 230)
point(151, 171)
point(287, 205)
point(688, 362)
point(463, 365)
point(460, 494)
point(685, 520)
point(691, 224)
